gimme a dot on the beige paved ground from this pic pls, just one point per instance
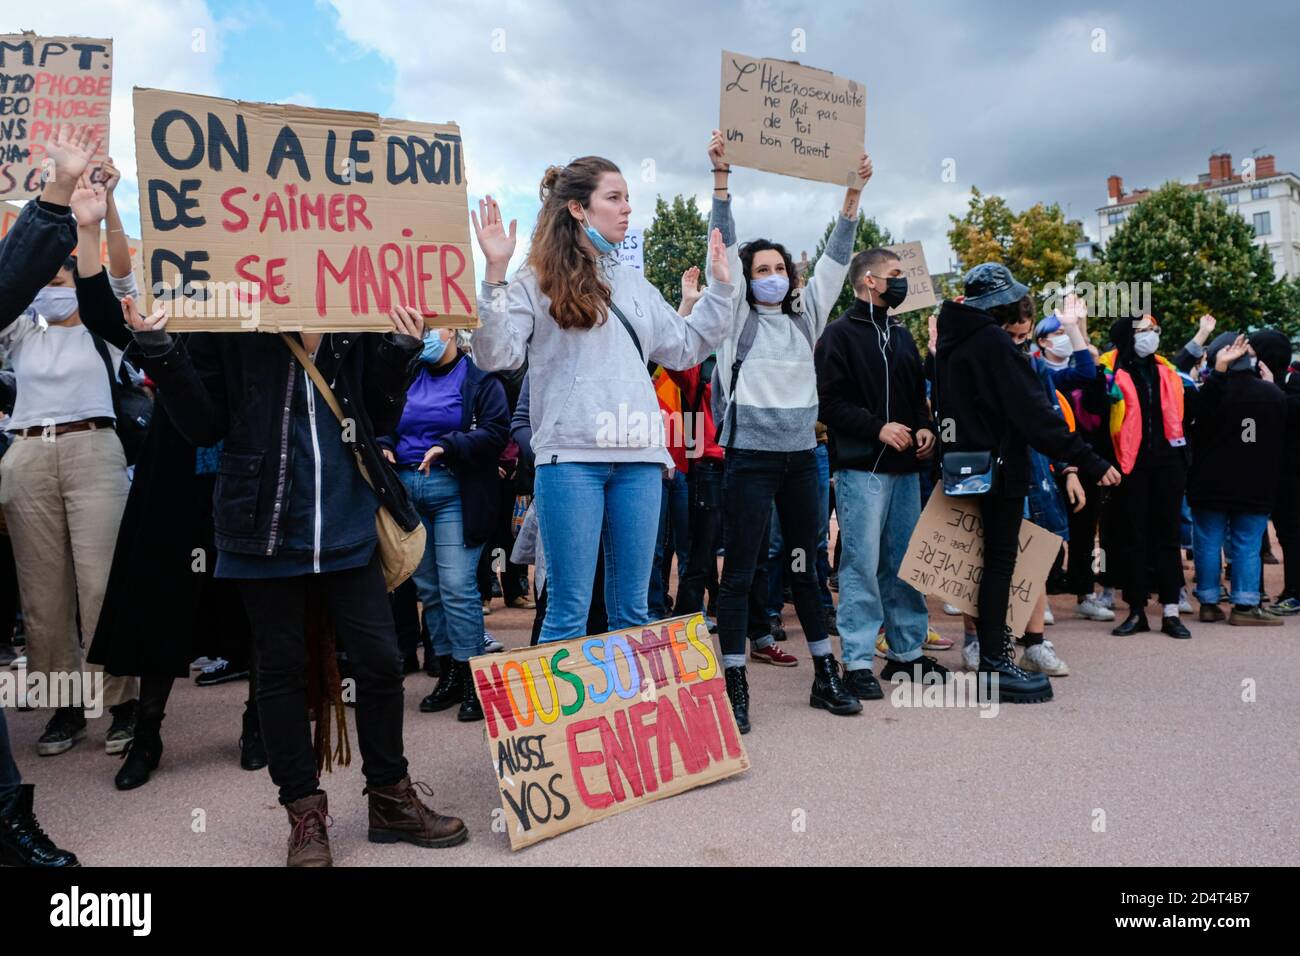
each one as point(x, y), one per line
point(1152, 731)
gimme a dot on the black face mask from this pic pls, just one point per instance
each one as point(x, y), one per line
point(895, 291)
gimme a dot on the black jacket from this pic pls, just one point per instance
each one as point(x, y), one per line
point(987, 398)
point(472, 452)
point(869, 373)
point(237, 388)
point(1237, 444)
point(38, 243)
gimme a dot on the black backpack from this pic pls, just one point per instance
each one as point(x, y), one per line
point(132, 406)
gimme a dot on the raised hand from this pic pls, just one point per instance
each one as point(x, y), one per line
point(718, 250)
point(1230, 353)
point(718, 151)
point(109, 175)
point(691, 290)
point(864, 170)
point(156, 322)
point(497, 244)
point(71, 150)
point(89, 202)
point(1073, 310)
point(407, 321)
point(1207, 324)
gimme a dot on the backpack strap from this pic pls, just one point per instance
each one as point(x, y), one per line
point(746, 342)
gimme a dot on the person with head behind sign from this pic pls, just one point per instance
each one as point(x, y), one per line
point(990, 405)
point(588, 325)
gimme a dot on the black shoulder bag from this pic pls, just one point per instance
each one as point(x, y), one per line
point(964, 473)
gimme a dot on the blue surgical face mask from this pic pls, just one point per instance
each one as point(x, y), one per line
point(770, 289)
point(603, 245)
point(56, 303)
point(434, 347)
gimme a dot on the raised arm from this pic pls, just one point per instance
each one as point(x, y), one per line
point(681, 342)
point(120, 275)
point(720, 217)
point(832, 266)
point(505, 311)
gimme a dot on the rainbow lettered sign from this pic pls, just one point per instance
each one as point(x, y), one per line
point(585, 728)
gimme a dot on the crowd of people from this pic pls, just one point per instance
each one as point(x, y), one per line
point(234, 497)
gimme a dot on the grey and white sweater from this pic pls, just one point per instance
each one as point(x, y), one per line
point(589, 390)
point(775, 405)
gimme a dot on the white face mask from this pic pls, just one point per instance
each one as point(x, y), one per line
point(1145, 343)
point(1058, 346)
point(56, 303)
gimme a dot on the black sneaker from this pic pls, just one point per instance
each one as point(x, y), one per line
point(122, 730)
point(828, 690)
point(738, 694)
point(926, 666)
point(863, 685)
point(65, 728)
point(220, 672)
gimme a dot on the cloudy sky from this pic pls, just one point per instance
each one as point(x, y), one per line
point(1028, 100)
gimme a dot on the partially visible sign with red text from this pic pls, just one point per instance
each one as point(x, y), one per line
point(263, 217)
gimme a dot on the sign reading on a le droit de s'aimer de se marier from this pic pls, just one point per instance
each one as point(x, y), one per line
point(322, 219)
point(581, 729)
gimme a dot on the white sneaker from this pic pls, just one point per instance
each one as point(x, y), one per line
point(970, 656)
point(1184, 606)
point(1093, 611)
point(1048, 616)
point(950, 610)
point(1042, 658)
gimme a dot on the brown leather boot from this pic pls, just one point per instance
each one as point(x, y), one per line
point(396, 814)
point(309, 844)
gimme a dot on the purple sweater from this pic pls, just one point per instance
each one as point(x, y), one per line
point(433, 408)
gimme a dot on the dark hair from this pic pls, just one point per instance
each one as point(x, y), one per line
point(747, 252)
point(1013, 313)
point(566, 270)
point(70, 264)
point(865, 262)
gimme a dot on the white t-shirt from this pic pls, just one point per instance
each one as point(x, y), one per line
point(59, 374)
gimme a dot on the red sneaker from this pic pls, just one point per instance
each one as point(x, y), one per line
point(773, 655)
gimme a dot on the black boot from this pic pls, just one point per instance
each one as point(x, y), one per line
point(470, 708)
point(828, 690)
point(450, 690)
point(143, 752)
point(1135, 623)
point(22, 841)
point(1015, 686)
point(252, 751)
point(738, 694)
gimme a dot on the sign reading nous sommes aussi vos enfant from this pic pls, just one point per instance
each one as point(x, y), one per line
point(581, 729)
point(277, 217)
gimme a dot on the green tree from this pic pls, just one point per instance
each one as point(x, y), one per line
point(1037, 245)
point(1199, 257)
point(676, 240)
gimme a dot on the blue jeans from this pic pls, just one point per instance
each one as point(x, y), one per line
point(9, 776)
point(1241, 532)
point(877, 516)
point(447, 579)
point(573, 500)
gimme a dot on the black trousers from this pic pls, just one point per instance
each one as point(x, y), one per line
point(753, 481)
point(1286, 521)
point(1148, 504)
point(1001, 518)
point(1085, 568)
point(357, 601)
point(8, 590)
point(496, 553)
point(705, 483)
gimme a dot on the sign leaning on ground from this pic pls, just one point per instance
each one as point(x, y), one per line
point(582, 729)
point(920, 288)
point(785, 118)
point(945, 557)
point(278, 217)
point(48, 83)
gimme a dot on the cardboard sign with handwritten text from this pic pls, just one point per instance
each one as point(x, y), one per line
point(790, 119)
point(920, 290)
point(945, 557)
point(582, 729)
point(273, 217)
point(48, 83)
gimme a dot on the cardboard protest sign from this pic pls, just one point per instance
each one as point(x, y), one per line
point(945, 557)
point(582, 729)
point(283, 217)
point(48, 83)
point(785, 118)
point(920, 290)
point(631, 251)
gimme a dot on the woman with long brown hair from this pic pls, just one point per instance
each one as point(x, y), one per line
point(588, 325)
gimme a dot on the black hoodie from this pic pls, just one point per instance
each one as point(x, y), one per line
point(1274, 350)
point(987, 398)
point(852, 380)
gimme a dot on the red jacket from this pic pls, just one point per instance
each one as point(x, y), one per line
point(692, 393)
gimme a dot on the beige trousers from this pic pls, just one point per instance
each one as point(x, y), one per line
point(63, 499)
